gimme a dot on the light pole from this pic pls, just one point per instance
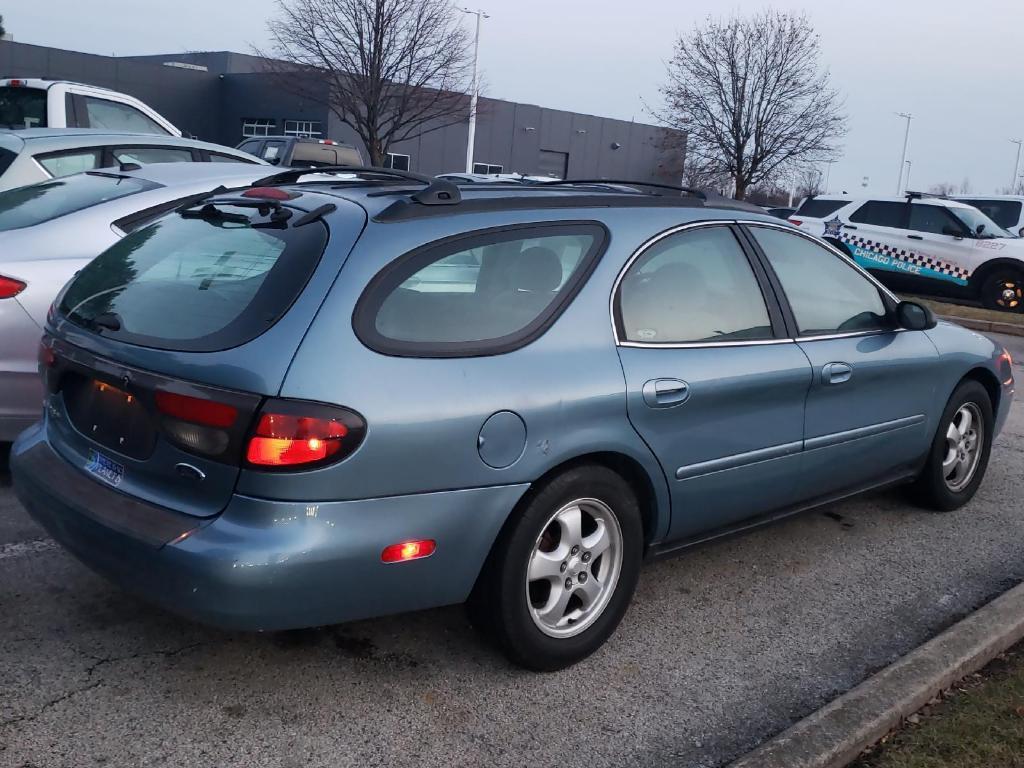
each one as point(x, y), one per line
point(906, 140)
point(1016, 167)
point(471, 138)
point(909, 163)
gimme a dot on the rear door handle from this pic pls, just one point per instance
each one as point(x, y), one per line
point(914, 237)
point(836, 373)
point(664, 393)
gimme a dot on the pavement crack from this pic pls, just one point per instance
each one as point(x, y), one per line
point(48, 705)
point(102, 661)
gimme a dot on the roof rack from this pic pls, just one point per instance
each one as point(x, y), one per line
point(622, 182)
point(292, 175)
point(919, 195)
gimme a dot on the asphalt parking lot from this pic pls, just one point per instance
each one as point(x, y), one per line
point(723, 646)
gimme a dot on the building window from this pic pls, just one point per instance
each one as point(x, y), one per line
point(309, 128)
point(398, 162)
point(488, 168)
point(258, 126)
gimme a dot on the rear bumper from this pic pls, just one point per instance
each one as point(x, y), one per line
point(262, 564)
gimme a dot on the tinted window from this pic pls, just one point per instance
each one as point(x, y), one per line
point(148, 155)
point(690, 287)
point(26, 206)
point(932, 219)
point(217, 157)
point(192, 283)
point(252, 147)
point(22, 107)
point(115, 116)
point(66, 163)
point(6, 158)
point(272, 151)
point(819, 209)
point(1005, 213)
point(826, 293)
point(881, 214)
point(477, 295)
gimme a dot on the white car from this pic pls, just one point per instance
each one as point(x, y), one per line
point(923, 244)
point(31, 102)
point(1005, 210)
point(37, 154)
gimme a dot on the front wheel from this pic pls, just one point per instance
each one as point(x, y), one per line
point(562, 573)
point(1004, 290)
point(960, 451)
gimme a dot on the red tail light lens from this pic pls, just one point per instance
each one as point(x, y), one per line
point(9, 287)
point(196, 410)
point(292, 434)
point(798, 222)
point(269, 193)
point(408, 550)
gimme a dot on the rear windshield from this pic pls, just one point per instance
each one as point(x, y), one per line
point(317, 155)
point(201, 281)
point(22, 107)
point(35, 204)
point(1005, 213)
point(819, 209)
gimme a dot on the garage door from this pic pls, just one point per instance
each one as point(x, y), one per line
point(553, 164)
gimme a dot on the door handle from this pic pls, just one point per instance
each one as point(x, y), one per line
point(914, 237)
point(836, 373)
point(665, 393)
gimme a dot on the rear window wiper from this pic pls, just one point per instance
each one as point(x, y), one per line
point(109, 320)
point(211, 212)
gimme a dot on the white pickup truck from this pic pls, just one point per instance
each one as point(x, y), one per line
point(38, 103)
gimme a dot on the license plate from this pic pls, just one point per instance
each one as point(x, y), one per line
point(107, 470)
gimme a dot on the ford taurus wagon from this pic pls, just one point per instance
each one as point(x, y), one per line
point(309, 402)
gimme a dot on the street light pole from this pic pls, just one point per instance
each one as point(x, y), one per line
point(909, 164)
point(828, 174)
point(906, 140)
point(471, 138)
point(1016, 167)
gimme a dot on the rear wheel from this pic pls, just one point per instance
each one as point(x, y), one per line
point(1004, 290)
point(960, 451)
point(562, 574)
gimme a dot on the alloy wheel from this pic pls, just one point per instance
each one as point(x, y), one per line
point(964, 439)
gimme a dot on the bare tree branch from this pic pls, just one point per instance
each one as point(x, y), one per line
point(752, 95)
point(391, 69)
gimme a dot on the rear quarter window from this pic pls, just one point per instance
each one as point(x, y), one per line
point(819, 209)
point(27, 206)
point(196, 283)
point(478, 294)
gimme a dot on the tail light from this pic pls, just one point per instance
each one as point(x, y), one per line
point(9, 287)
point(408, 550)
point(293, 434)
point(798, 222)
point(195, 423)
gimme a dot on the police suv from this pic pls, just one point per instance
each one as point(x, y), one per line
point(923, 243)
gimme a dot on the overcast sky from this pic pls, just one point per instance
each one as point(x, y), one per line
point(954, 64)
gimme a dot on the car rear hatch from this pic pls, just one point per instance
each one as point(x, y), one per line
point(161, 351)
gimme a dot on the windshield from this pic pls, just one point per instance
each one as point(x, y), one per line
point(202, 280)
point(22, 107)
point(1005, 213)
point(973, 218)
point(38, 203)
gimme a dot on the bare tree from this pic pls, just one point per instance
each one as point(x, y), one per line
point(753, 96)
point(808, 182)
point(701, 174)
point(965, 186)
point(391, 69)
point(943, 188)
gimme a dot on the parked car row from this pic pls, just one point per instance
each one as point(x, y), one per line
point(602, 373)
point(928, 244)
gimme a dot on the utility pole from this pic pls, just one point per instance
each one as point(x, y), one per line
point(1016, 167)
point(471, 139)
point(828, 174)
point(906, 140)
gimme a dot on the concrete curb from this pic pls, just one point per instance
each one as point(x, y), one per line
point(986, 326)
point(837, 733)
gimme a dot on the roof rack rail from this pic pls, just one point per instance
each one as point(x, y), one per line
point(918, 195)
point(292, 175)
point(622, 182)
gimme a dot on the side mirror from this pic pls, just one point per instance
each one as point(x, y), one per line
point(914, 316)
point(980, 229)
point(952, 231)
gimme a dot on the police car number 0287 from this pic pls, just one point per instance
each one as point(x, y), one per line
point(106, 469)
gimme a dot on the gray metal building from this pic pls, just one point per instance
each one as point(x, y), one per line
point(224, 96)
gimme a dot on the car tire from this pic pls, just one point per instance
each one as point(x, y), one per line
point(958, 456)
point(1003, 290)
point(522, 615)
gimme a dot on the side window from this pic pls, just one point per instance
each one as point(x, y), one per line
point(881, 213)
point(826, 293)
point(65, 163)
point(932, 219)
point(217, 157)
point(149, 155)
point(252, 147)
point(694, 286)
point(113, 115)
point(480, 294)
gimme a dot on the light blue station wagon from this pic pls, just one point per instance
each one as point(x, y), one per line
point(309, 402)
